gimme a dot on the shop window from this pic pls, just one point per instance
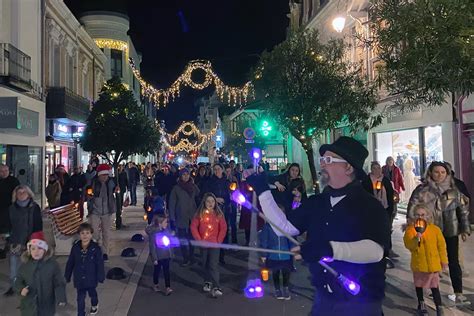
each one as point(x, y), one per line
point(433, 144)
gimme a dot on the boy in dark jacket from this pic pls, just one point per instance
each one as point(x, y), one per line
point(87, 264)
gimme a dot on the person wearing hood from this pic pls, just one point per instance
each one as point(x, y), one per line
point(25, 217)
point(182, 209)
point(450, 213)
point(40, 282)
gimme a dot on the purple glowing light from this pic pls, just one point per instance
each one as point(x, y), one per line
point(258, 289)
point(251, 290)
point(256, 155)
point(238, 197)
point(165, 240)
point(350, 286)
point(327, 259)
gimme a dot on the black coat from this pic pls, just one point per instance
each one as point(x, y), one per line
point(73, 189)
point(24, 221)
point(164, 183)
point(220, 188)
point(88, 269)
point(123, 181)
point(356, 217)
point(7, 186)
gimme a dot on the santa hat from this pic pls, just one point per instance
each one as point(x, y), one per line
point(37, 239)
point(103, 169)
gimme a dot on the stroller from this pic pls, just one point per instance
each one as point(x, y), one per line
point(153, 204)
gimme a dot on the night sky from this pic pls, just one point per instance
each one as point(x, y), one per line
point(229, 33)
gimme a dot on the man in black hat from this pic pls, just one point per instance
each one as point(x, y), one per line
point(344, 222)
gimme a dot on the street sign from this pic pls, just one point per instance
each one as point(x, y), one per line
point(249, 141)
point(249, 133)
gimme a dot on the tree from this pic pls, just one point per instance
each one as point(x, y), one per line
point(426, 48)
point(117, 127)
point(308, 88)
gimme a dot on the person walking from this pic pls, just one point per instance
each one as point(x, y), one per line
point(25, 217)
point(160, 255)
point(381, 187)
point(123, 185)
point(182, 208)
point(345, 223)
point(428, 257)
point(218, 185)
point(102, 206)
point(450, 213)
point(53, 191)
point(209, 225)
point(86, 264)
point(40, 282)
point(7, 184)
point(133, 181)
point(280, 264)
point(164, 182)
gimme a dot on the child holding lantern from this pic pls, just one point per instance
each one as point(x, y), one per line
point(279, 264)
point(209, 225)
point(428, 256)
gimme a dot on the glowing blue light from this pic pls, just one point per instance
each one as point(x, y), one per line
point(239, 198)
point(258, 289)
point(351, 286)
point(180, 159)
point(253, 289)
point(256, 155)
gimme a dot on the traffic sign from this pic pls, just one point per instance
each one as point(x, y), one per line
point(249, 133)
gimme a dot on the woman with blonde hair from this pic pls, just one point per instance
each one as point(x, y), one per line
point(25, 218)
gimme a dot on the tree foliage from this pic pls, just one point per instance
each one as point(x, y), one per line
point(308, 88)
point(426, 47)
point(117, 127)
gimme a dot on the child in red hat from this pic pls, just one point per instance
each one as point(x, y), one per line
point(39, 280)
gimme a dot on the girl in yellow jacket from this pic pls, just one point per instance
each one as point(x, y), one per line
point(428, 257)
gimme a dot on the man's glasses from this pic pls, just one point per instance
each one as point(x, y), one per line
point(328, 160)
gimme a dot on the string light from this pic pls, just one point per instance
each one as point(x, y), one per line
point(184, 144)
point(161, 97)
point(112, 44)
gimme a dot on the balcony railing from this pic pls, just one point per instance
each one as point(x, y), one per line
point(14, 64)
point(63, 103)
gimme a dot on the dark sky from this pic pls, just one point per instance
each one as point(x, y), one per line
point(229, 33)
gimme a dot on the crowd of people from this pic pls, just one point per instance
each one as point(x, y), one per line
point(350, 220)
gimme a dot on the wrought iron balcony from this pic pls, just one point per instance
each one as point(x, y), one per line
point(15, 67)
point(63, 103)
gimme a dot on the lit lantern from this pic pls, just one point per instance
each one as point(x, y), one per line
point(420, 227)
point(378, 185)
point(149, 209)
point(233, 186)
point(265, 274)
point(145, 217)
point(89, 191)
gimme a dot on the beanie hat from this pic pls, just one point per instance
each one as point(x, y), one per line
point(37, 239)
point(183, 171)
point(103, 169)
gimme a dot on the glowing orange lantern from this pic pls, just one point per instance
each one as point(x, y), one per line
point(265, 274)
point(233, 186)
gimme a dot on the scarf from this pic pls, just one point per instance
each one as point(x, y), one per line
point(23, 203)
point(187, 186)
point(445, 185)
point(379, 190)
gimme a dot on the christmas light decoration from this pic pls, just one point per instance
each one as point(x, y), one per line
point(184, 144)
point(161, 97)
point(112, 44)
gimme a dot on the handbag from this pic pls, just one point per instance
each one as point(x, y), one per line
point(126, 199)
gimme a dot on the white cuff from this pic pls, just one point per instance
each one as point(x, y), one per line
point(362, 251)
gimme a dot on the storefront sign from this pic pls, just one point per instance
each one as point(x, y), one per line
point(29, 122)
point(395, 115)
point(8, 112)
point(78, 131)
point(61, 130)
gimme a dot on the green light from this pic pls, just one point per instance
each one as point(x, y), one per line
point(266, 128)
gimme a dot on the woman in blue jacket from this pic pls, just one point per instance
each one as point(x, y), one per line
point(280, 264)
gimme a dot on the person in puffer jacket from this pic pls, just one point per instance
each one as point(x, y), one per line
point(209, 225)
point(450, 213)
point(279, 264)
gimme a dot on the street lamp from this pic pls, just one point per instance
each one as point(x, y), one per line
point(338, 23)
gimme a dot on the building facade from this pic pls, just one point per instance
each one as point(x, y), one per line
point(74, 74)
point(110, 32)
point(413, 138)
point(22, 100)
point(208, 119)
